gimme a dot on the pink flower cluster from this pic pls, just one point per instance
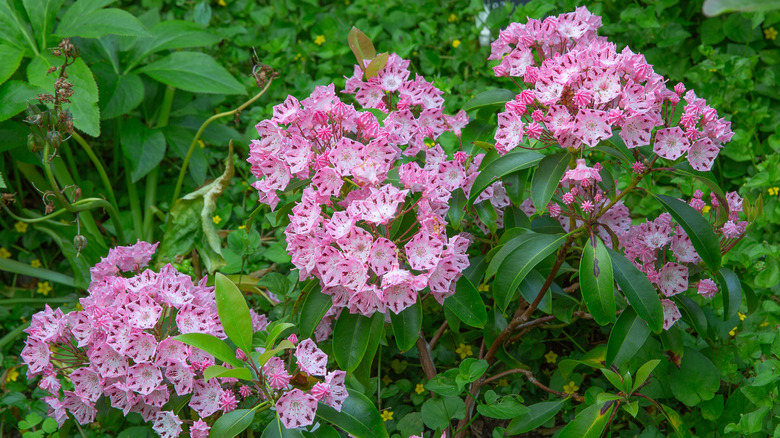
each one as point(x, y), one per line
point(345, 228)
point(120, 345)
point(581, 90)
point(296, 407)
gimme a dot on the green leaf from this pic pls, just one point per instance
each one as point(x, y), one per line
point(457, 210)
point(314, 308)
point(9, 265)
point(507, 408)
point(358, 417)
point(589, 423)
point(696, 380)
point(284, 344)
point(471, 369)
point(466, 304)
point(173, 34)
point(42, 14)
point(275, 329)
point(731, 291)
point(597, 282)
point(438, 412)
point(491, 98)
point(546, 178)
point(119, 94)
point(276, 429)
point(675, 421)
point(87, 20)
point(530, 287)
point(232, 423)
point(211, 345)
point(644, 372)
point(143, 147)
point(510, 240)
point(350, 340)
point(193, 72)
point(361, 46)
point(515, 160)
point(376, 64)
point(698, 229)
point(220, 371)
point(537, 415)
point(712, 8)
point(519, 263)
point(640, 292)
point(407, 325)
point(11, 57)
point(692, 314)
point(487, 215)
point(514, 184)
point(627, 337)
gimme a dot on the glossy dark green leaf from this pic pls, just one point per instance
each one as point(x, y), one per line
point(537, 415)
point(696, 380)
point(143, 147)
point(514, 184)
point(731, 291)
point(546, 178)
point(597, 281)
point(212, 345)
point(640, 292)
point(276, 429)
point(514, 217)
point(314, 308)
point(530, 287)
point(407, 325)
point(704, 240)
point(232, 423)
point(358, 417)
point(457, 209)
point(519, 263)
point(515, 160)
point(350, 340)
point(589, 423)
point(627, 337)
point(491, 98)
point(466, 304)
point(233, 313)
point(692, 314)
point(509, 241)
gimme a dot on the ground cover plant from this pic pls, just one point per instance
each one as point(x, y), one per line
point(398, 220)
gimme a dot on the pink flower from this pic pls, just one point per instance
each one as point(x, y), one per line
point(206, 397)
point(143, 378)
point(311, 359)
point(638, 167)
point(245, 391)
point(167, 424)
point(199, 429)
point(707, 288)
point(670, 143)
point(227, 401)
point(276, 374)
point(87, 383)
point(296, 409)
point(671, 313)
point(423, 251)
point(673, 279)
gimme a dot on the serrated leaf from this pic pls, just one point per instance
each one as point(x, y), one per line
point(99, 22)
point(15, 96)
point(12, 57)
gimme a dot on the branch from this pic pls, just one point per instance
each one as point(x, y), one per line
point(426, 360)
point(530, 376)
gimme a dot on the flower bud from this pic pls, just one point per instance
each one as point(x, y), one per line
point(79, 242)
point(240, 355)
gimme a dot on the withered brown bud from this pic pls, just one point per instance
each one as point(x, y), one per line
point(49, 207)
point(51, 70)
point(54, 138)
point(8, 198)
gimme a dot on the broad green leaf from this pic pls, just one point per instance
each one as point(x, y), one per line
point(143, 147)
point(466, 304)
point(471, 369)
point(350, 340)
point(211, 345)
point(627, 337)
point(640, 292)
point(376, 64)
point(361, 46)
point(172, 34)
point(42, 14)
point(457, 210)
point(87, 20)
point(696, 380)
point(276, 429)
point(530, 287)
point(546, 178)
point(712, 8)
point(358, 417)
point(323, 431)
point(519, 263)
point(589, 423)
point(193, 72)
point(515, 160)
point(507, 408)
point(9, 265)
point(284, 344)
point(12, 28)
point(233, 313)
point(597, 282)
point(232, 423)
point(692, 314)
point(274, 330)
point(644, 372)
point(510, 240)
point(11, 57)
point(697, 228)
point(314, 308)
point(118, 94)
point(731, 291)
point(514, 184)
point(407, 325)
point(537, 415)
point(437, 413)
point(675, 420)
point(487, 215)
point(491, 98)
point(220, 371)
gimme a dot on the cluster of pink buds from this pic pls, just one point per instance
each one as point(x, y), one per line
point(120, 345)
point(373, 237)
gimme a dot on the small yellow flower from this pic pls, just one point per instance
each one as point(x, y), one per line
point(570, 388)
point(742, 316)
point(201, 144)
point(773, 191)
point(319, 40)
point(221, 3)
point(713, 70)
point(770, 33)
point(242, 227)
point(764, 324)
point(503, 382)
point(706, 209)
point(21, 227)
point(414, 53)
point(347, 2)
point(298, 57)
point(419, 388)
point(452, 18)
point(456, 43)
point(387, 380)
point(36, 263)
point(464, 351)
point(483, 288)
point(551, 357)
point(733, 332)
point(216, 219)
point(387, 415)
point(4, 254)
point(44, 288)
point(11, 375)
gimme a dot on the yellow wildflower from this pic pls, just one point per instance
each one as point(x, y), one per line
point(387, 415)
point(764, 324)
point(11, 375)
point(773, 191)
point(551, 357)
point(456, 43)
point(201, 144)
point(770, 33)
point(319, 40)
point(419, 388)
point(503, 382)
point(733, 332)
point(36, 263)
point(298, 57)
point(483, 288)
point(452, 18)
point(21, 227)
point(44, 287)
point(4, 254)
point(221, 3)
point(242, 227)
point(414, 53)
point(706, 209)
point(464, 351)
point(742, 316)
point(570, 388)
point(216, 219)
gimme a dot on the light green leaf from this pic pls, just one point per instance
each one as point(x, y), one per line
point(171, 34)
point(232, 423)
point(644, 372)
point(98, 22)
point(597, 282)
point(11, 57)
point(193, 72)
point(220, 371)
point(515, 160)
point(358, 417)
point(233, 313)
point(640, 292)
point(467, 304)
point(407, 325)
point(42, 14)
point(275, 329)
point(712, 8)
point(211, 345)
point(537, 415)
point(546, 178)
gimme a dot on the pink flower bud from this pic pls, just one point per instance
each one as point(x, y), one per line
point(240, 355)
point(292, 338)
